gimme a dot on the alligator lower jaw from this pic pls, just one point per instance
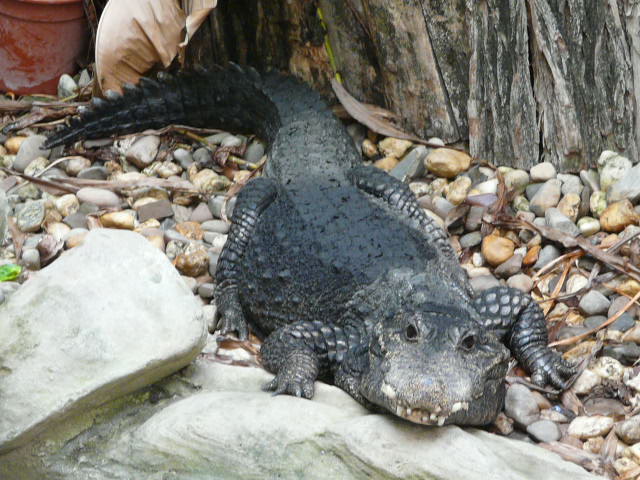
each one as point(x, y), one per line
point(436, 416)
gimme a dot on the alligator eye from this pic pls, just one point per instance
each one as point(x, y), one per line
point(411, 333)
point(468, 342)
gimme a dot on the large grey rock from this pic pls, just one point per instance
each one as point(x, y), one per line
point(4, 214)
point(105, 319)
point(212, 421)
point(226, 428)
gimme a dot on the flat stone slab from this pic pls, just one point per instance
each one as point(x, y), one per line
point(105, 319)
point(232, 430)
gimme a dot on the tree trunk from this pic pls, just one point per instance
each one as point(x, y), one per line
point(520, 81)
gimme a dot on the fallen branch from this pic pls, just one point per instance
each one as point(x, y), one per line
point(606, 257)
point(72, 185)
point(576, 338)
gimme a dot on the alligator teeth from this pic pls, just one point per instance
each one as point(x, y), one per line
point(409, 411)
point(459, 406)
point(388, 391)
point(441, 420)
point(433, 417)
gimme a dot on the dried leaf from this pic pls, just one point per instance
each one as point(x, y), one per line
point(133, 36)
point(370, 117)
point(197, 11)
point(36, 115)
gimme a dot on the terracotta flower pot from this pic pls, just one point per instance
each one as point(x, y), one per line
point(39, 41)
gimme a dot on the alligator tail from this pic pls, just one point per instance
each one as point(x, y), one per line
point(230, 99)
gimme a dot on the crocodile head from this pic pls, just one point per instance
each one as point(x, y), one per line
point(428, 359)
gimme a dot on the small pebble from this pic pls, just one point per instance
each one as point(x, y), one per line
point(509, 267)
point(74, 165)
point(191, 230)
point(597, 203)
point(542, 172)
point(411, 166)
point(547, 196)
point(521, 405)
point(12, 144)
point(627, 187)
point(497, 249)
point(143, 150)
point(554, 218)
point(193, 262)
point(123, 220)
point(587, 427)
point(588, 226)
point(544, 431)
point(31, 216)
point(570, 184)
point(569, 205)
point(386, 163)
point(483, 282)
point(471, 239)
point(394, 147)
point(98, 196)
point(218, 226)
point(618, 215)
point(67, 86)
point(31, 259)
point(209, 182)
point(232, 141)
point(369, 148)
point(576, 282)
point(547, 254)
point(626, 353)
point(608, 369)
point(201, 213)
point(76, 220)
point(255, 152)
point(521, 281)
point(206, 290)
point(612, 167)
point(594, 321)
point(446, 162)
point(30, 149)
point(593, 303)
point(67, 204)
point(516, 180)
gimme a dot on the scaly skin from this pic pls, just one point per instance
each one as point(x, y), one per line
point(335, 264)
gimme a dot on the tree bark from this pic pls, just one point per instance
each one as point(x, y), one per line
point(520, 81)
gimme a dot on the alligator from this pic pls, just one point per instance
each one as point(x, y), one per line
point(334, 264)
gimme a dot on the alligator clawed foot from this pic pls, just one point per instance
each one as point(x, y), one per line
point(552, 369)
point(234, 322)
point(295, 376)
point(295, 387)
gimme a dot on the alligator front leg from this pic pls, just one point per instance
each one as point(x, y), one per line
point(519, 317)
point(298, 353)
point(252, 201)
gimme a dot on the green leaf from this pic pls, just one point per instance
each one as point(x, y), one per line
point(9, 272)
